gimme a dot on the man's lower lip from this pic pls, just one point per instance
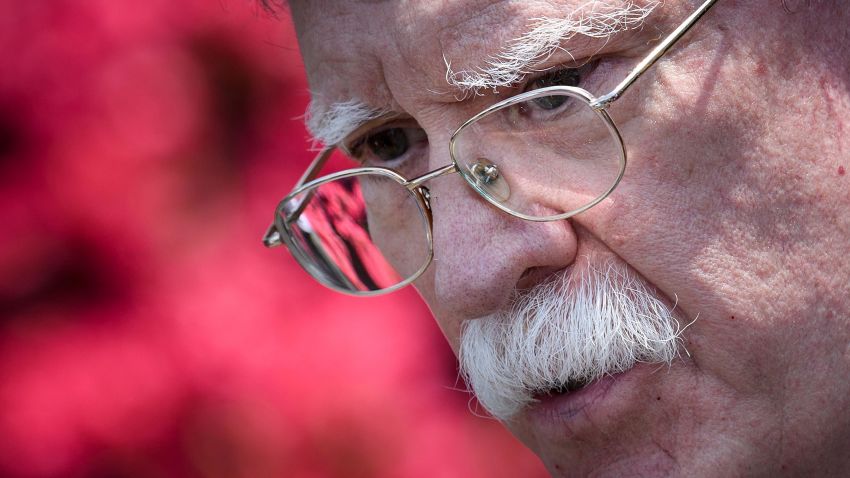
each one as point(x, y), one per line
point(564, 409)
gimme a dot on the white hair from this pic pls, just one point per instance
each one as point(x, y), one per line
point(332, 124)
point(594, 19)
point(603, 322)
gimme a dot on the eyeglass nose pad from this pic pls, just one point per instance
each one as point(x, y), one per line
point(488, 177)
point(426, 195)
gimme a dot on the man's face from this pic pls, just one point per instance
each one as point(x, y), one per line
point(729, 215)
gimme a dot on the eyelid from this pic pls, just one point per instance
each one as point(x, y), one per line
point(360, 135)
point(589, 63)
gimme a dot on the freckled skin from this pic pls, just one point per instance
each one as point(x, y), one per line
point(731, 207)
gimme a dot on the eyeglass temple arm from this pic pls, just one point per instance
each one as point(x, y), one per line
point(654, 55)
point(272, 237)
point(315, 166)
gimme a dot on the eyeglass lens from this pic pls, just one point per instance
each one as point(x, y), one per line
point(356, 248)
point(543, 157)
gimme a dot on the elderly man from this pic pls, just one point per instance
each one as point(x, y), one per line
point(630, 218)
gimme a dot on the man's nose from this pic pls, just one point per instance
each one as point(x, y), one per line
point(481, 254)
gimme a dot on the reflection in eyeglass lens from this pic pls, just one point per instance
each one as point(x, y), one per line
point(358, 248)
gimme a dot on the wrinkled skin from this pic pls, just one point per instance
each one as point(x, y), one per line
point(734, 206)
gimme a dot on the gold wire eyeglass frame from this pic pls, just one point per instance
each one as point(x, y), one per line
point(279, 232)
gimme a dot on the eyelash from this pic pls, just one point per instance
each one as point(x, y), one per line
point(585, 70)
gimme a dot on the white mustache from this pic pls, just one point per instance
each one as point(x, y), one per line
point(570, 329)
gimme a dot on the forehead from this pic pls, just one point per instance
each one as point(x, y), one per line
point(358, 39)
point(385, 52)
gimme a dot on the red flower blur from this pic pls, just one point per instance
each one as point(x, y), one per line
point(145, 330)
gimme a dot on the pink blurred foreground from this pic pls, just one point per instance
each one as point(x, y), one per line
point(145, 330)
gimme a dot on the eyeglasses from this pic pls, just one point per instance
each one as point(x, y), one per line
point(544, 155)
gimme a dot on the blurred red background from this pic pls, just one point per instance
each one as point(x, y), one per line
point(145, 330)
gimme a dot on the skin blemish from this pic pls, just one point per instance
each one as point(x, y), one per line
point(761, 69)
point(841, 171)
point(658, 398)
point(732, 318)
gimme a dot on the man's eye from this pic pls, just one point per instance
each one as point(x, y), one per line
point(550, 102)
point(563, 77)
point(387, 145)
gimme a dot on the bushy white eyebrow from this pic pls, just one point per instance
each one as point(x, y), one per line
point(331, 124)
point(594, 19)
